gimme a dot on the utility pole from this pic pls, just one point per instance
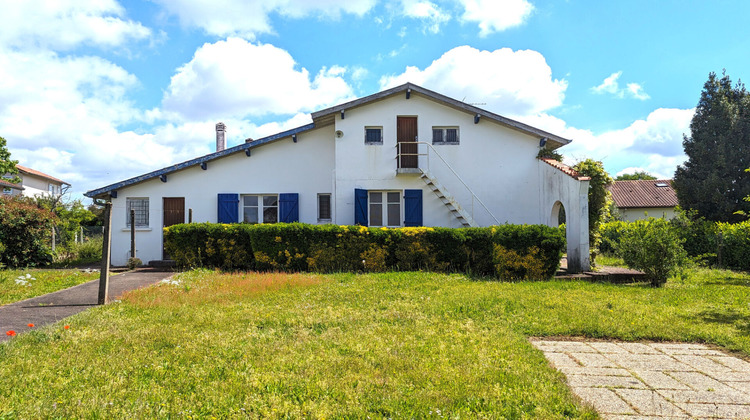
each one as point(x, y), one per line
point(106, 252)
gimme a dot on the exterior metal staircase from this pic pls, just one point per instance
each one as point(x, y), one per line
point(462, 215)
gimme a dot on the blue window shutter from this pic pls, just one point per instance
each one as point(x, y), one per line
point(229, 208)
point(360, 207)
point(289, 207)
point(412, 208)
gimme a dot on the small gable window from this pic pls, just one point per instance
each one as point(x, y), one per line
point(444, 135)
point(374, 135)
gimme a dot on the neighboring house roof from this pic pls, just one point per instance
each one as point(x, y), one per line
point(4, 184)
point(643, 193)
point(29, 171)
point(566, 169)
point(326, 116)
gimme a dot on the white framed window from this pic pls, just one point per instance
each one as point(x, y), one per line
point(445, 135)
point(260, 208)
point(7, 190)
point(324, 207)
point(373, 135)
point(384, 208)
point(140, 205)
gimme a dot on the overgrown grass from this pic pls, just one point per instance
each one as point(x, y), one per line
point(610, 261)
point(21, 284)
point(76, 254)
point(398, 345)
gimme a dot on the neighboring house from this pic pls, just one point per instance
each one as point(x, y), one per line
point(10, 188)
point(640, 199)
point(406, 156)
point(35, 183)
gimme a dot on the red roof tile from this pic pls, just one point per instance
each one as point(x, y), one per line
point(566, 169)
point(30, 171)
point(643, 193)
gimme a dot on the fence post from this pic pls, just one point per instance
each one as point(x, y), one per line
point(106, 252)
point(190, 215)
point(721, 247)
point(132, 233)
point(53, 238)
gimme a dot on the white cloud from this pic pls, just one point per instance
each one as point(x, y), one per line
point(496, 15)
point(503, 81)
point(66, 24)
point(246, 18)
point(653, 144)
point(610, 85)
point(428, 12)
point(236, 78)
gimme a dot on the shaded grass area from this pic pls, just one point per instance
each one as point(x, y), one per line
point(19, 284)
point(381, 345)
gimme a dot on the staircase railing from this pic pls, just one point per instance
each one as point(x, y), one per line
point(412, 156)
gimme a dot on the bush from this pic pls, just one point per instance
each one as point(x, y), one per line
point(79, 253)
point(25, 232)
point(611, 232)
point(332, 248)
point(735, 244)
point(654, 247)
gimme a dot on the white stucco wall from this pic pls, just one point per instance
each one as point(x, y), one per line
point(305, 167)
point(633, 214)
point(497, 163)
point(35, 185)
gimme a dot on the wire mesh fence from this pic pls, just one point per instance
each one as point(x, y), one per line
point(64, 237)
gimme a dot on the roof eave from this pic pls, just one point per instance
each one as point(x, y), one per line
point(102, 192)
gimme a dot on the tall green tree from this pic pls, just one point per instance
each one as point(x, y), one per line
point(635, 176)
point(598, 196)
point(8, 166)
point(713, 181)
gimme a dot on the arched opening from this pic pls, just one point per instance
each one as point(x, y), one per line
point(557, 217)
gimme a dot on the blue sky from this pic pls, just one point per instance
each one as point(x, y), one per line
point(94, 92)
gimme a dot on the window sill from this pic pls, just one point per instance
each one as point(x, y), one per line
point(374, 144)
point(446, 143)
point(325, 221)
point(138, 229)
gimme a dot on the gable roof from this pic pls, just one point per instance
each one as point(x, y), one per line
point(643, 193)
point(5, 184)
point(327, 116)
point(29, 171)
point(565, 169)
point(199, 160)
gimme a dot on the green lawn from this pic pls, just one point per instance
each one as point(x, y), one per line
point(18, 285)
point(398, 345)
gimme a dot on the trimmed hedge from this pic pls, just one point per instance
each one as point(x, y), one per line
point(515, 251)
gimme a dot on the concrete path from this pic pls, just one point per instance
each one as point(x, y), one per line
point(52, 307)
point(653, 380)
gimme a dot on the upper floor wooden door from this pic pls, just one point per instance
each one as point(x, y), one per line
point(174, 213)
point(406, 135)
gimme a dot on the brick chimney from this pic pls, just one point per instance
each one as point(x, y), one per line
point(221, 142)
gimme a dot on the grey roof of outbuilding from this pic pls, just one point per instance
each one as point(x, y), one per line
point(323, 116)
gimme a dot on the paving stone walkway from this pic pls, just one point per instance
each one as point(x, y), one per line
point(653, 380)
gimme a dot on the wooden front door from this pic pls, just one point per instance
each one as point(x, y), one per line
point(174, 213)
point(406, 135)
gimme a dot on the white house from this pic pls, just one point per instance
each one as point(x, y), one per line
point(406, 156)
point(640, 199)
point(34, 183)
